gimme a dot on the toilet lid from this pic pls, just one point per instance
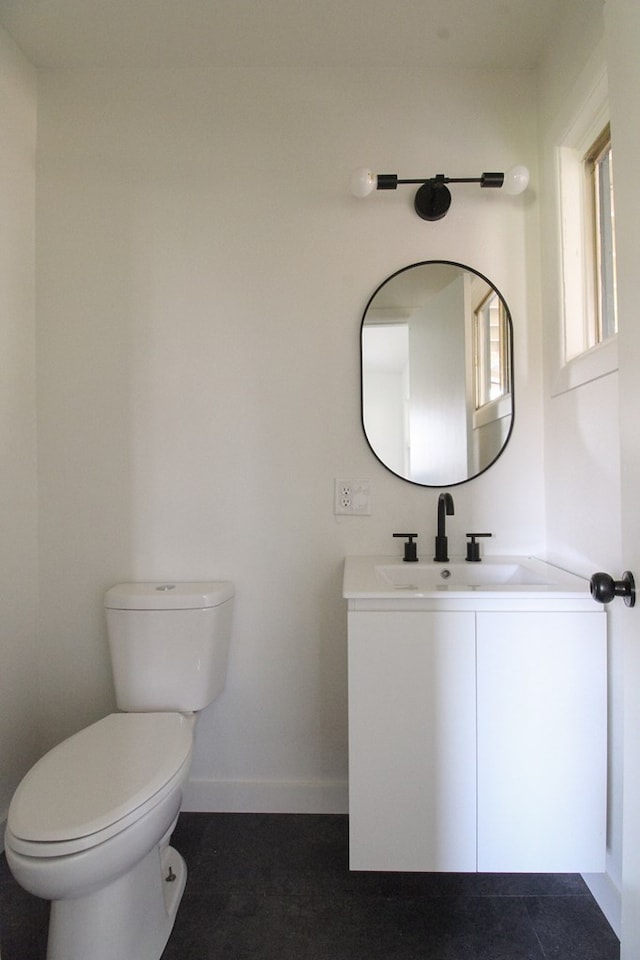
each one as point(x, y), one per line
point(99, 776)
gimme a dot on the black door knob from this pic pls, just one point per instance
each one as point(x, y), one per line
point(604, 588)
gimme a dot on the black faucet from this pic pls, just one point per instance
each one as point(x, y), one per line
point(445, 508)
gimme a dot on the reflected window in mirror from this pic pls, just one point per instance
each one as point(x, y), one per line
point(491, 351)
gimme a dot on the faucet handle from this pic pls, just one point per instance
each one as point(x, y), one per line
point(473, 548)
point(410, 548)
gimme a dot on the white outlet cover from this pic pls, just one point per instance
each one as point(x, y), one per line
point(352, 497)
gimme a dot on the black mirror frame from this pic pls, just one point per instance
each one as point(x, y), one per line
point(466, 267)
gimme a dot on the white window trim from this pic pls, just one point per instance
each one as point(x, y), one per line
point(492, 411)
point(599, 361)
point(588, 364)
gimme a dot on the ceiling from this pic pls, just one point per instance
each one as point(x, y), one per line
point(268, 33)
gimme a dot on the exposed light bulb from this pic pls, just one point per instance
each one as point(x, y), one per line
point(516, 180)
point(363, 182)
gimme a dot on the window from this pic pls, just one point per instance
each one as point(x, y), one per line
point(588, 345)
point(588, 243)
point(598, 166)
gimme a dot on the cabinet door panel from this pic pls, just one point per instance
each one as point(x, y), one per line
point(541, 741)
point(412, 765)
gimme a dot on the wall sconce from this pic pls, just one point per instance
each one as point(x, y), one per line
point(433, 198)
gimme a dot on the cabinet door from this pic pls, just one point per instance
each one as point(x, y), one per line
point(412, 749)
point(541, 741)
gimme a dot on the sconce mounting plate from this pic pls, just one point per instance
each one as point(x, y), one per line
point(432, 200)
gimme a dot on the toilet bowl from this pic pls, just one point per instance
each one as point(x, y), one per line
point(89, 825)
point(86, 814)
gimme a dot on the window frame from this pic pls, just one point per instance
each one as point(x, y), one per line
point(580, 359)
point(599, 260)
point(482, 352)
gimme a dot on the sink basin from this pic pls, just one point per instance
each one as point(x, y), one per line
point(391, 577)
point(438, 576)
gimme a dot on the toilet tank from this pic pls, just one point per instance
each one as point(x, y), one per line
point(169, 643)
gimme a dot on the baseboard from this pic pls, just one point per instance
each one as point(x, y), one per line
point(266, 796)
point(608, 897)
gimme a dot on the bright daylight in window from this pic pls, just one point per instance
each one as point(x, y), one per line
point(599, 174)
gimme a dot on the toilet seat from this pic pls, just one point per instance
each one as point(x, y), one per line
point(99, 781)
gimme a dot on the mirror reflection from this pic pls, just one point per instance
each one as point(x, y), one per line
point(437, 373)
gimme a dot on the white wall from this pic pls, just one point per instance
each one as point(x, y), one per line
point(582, 438)
point(19, 710)
point(581, 430)
point(202, 271)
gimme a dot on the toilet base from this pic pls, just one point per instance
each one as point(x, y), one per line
point(130, 918)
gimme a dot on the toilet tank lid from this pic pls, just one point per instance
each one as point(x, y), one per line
point(168, 595)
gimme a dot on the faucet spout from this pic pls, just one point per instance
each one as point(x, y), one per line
point(445, 508)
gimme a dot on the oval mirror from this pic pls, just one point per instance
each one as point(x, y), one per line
point(437, 373)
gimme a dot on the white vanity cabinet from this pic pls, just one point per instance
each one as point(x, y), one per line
point(412, 741)
point(477, 735)
point(541, 707)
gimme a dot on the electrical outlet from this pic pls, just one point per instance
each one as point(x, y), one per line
point(352, 498)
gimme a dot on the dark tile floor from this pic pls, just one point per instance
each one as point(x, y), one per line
point(267, 886)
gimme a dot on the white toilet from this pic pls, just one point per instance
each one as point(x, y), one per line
point(89, 825)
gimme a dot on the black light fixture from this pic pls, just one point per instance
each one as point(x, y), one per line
point(433, 197)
